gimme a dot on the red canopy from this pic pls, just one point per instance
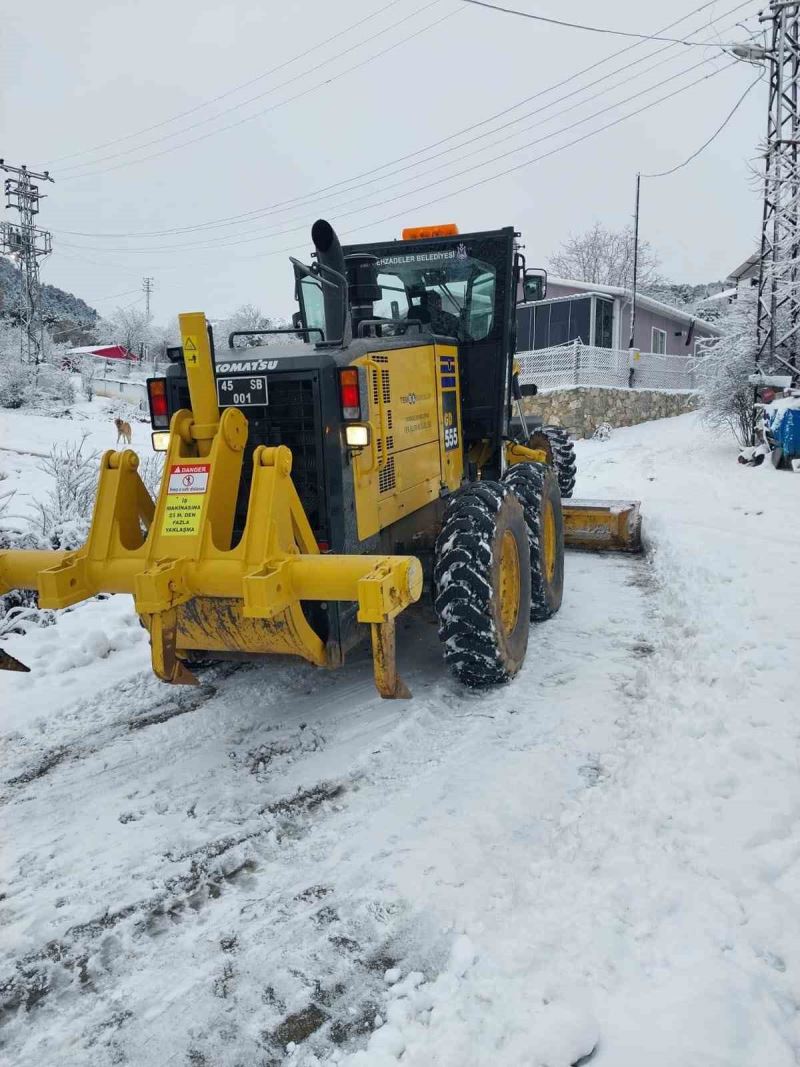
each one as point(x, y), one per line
point(104, 352)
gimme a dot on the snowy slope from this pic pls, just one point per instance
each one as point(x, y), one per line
point(279, 867)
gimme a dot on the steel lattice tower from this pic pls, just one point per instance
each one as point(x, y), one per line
point(779, 275)
point(27, 243)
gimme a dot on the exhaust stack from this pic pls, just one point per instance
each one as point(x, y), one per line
point(331, 258)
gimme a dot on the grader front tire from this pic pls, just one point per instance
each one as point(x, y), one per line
point(538, 491)
point(482, 585)
point(555, 442)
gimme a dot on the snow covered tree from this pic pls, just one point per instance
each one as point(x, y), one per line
point(26, 383)
point(245, 317)
point(126, 326)
point(722, 369)
point(606, 257)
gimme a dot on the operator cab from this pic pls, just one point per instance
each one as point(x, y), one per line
point(436, 281)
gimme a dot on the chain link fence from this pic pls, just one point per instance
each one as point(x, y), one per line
point(567, 366)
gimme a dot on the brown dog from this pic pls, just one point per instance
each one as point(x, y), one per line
point(123, 431)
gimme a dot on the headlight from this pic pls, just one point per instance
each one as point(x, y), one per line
point(357, 435)
point(160, 441)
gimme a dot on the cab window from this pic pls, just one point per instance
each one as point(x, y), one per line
point(313, 304)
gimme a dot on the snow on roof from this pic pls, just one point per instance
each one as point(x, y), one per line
point(642, 301)
point(726, 294)
point(745, 269)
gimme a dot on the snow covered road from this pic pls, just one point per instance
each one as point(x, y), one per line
point(280, 868)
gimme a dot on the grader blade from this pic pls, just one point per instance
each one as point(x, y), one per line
point(602, 525)
point(8, 663)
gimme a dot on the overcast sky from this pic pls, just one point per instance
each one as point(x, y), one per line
point(79, 75)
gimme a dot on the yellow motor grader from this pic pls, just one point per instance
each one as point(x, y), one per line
point(315, 484)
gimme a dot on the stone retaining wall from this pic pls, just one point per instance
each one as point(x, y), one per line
point(582, 410)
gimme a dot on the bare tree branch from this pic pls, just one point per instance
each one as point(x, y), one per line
point(605, 257)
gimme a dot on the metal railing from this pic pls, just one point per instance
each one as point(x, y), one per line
point(577, 364)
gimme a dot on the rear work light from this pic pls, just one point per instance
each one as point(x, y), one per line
point(349, 393)
point(357, 435)
point(157, 399)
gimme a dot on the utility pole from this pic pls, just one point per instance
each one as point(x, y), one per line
point(635, 259)
point(27, 242)
point(147, 288)
point(779, 273)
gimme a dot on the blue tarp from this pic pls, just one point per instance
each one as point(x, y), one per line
point(785, 426)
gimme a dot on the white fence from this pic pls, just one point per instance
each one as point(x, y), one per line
point(567, 366)
point(128, 389)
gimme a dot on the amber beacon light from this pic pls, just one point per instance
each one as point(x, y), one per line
point(420, 233)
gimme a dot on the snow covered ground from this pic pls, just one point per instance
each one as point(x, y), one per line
point(280, 868)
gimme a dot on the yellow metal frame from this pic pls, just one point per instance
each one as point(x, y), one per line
point(193, 590)
point(521, 454)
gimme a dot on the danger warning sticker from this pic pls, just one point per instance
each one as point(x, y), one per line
point(185, 478)
point(188, 482)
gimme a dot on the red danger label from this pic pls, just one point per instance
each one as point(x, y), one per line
point(186, 478)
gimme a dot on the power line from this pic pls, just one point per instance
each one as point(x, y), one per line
point(228, 92)
point(339, 213)
point(410, 155)
point(281, 103)
point(493, 177)
point(481, 181)
point(113, 296)
point(714, 135)
point(249, 216)
point(504, 173)
point(544, 155)
point(326, 191)
point(581, 26)
point(259, 96)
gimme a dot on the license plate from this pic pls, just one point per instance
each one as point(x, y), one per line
point(242, 392)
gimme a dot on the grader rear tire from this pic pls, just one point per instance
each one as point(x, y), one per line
point(537, 487)
point(554, 440)
point(482, 584)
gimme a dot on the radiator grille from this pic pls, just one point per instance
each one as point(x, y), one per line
point(291, 419)
point(386, 478)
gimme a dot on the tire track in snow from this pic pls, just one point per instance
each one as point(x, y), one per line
point(323, 912)
point(31, 979)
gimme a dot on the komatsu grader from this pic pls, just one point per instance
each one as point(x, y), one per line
point(316, 484)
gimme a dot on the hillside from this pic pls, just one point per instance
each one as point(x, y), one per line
point(690, 298)
point(57, 303)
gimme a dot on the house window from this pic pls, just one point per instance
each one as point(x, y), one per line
point(556, 322)
point(604, 323)
point(659, 341)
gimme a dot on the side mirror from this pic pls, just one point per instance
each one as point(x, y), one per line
point(534, 284)
point(297, 320)
point(529, 389)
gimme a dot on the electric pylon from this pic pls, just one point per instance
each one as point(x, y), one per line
point(26, 243)
point(779, 275)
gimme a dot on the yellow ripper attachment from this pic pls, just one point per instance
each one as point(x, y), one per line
point(598, 525)
point(190, 588)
